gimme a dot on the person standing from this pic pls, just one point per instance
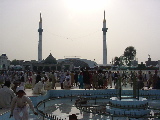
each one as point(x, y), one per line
point(25, 77)
point(6, 95)
point(110, 79)
point(100, 79)
point(72, 78)
point(62, 79)
point(150, 77)
point(76, 78)
point(20, 104)
point(94, 82)
point(33, 79)
point(53, 79)
point(140, 80)
point(56, 75)
point(154, 80)
point(22, 79)
point(116, 78)
point(30, 78)
point(80, 80)
point(86, 79)
point(68, 77)
point(38, 77)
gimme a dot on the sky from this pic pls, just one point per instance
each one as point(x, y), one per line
point(74, 28)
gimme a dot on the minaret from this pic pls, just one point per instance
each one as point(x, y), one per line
point(104, 29)
point(40, 30)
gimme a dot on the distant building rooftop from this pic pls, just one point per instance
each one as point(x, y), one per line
point(151, 63)
point(77, 62)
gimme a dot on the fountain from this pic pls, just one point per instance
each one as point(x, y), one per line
point(130, 106)
point(106, 104)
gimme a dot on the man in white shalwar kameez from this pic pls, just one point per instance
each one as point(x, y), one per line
point(6, 95)
point(39, 87)
point(33, 79)
point(47, 84)
point(21, 104)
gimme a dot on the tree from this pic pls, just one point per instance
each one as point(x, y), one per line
point(116, 61)
point(129, 55)
point(14, 62)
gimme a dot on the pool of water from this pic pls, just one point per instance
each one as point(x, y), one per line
point(63, 107)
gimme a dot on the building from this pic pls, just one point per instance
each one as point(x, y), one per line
point(134, 63)
point(151, 63)
point(49, 64)
point(4, 62)
point(77, 62)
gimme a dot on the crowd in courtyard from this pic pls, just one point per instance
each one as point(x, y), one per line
point(84, 79)
point(40, 82)
point(14, 83)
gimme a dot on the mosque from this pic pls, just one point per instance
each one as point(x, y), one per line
point(50, 63)
point(73, 63)
point(70, 63)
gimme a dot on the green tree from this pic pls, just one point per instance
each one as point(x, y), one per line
point(14, 62)
point(116, 61)
point(129, 55)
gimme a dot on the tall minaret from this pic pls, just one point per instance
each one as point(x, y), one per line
point(104, 29)
point(40, 30)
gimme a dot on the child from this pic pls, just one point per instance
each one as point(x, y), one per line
point(19, 105)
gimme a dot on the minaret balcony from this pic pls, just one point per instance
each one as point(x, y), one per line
point(104, 29)
point(40, 30)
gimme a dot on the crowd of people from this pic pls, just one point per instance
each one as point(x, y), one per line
point(84, 79)
point(13, 84)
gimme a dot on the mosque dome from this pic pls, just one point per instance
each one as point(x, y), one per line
point(50, 60)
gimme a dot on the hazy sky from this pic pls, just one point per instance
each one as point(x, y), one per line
point(74, 28)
